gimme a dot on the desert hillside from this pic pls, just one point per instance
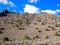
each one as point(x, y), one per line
point(35, 29)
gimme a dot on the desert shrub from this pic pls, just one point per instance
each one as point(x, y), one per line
point(5, 39)
point(57, 34)
point(59, 31)
point(35, 37)
point(26, 37)
point(57, 25)
point(21, 28)
point(47, 37)
point(20, 23)
point(47, 30)
point(39, 31)
point(35, 23)
point(53, 28)
point(17, 25)
point(1, 28)
point(1, 32)
point(43, 23)
point(37, 28)
point(27, 21)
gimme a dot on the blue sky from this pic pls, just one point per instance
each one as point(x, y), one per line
point(31, 6)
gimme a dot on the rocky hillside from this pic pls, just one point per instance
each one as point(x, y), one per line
point(34, 29)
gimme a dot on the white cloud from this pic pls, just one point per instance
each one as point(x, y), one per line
point(31, 9)
point(6, 2)
point(49, 11)
point(33, 1)
point(58, 10)
point(58, 5)
point(12, 5)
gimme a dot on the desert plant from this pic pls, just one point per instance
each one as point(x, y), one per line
point(1, 32)
point(1, 28)
point(35, 37)
point(17, 25)
point(39, 30)
point(42, 23)
point(47, 30)
point(26, 37)
point(35, 23)
point(59, 31)
point(5, 39)
point(46, 37)
point(57, 34)
point(57, 25)
point(21, 28)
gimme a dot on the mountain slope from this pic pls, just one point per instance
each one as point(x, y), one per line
point(41, 26)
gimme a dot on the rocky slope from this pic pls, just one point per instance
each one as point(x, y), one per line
point(35, 28)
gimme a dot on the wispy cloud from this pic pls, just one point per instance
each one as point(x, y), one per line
point(6, 2)
point(51, 11)
point(58, 5)
point(31, 9)
point(31, 1)
point(12, 4)
point(58, 10)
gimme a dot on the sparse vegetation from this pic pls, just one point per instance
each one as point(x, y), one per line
point(57, 34)
point(37, 28)
point(17, 25)
point(1, 28)
point(29, 28)
point(59, 31)
point(43, 23)
point(39, 31)
point(46, 37)
point(1, 32)
point(21, 28)
point(26, 37)
point(57, 25)
point(35, 37)
point(47, 30)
